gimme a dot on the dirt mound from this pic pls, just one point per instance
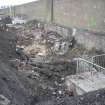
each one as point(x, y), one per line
point(21, 89)
point(14, 86)
point(7, 45)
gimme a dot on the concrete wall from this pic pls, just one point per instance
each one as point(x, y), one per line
point(34, 10)
point(87, 14)
point(4, 11)
point(91, 40)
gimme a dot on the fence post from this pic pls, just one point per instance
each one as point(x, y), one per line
point(77, 71)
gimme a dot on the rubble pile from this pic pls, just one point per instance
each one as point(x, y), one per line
point(37, 82)
point(40, 44)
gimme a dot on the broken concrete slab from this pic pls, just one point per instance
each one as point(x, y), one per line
point(85, 82)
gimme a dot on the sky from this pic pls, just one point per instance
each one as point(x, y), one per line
point(13, 2)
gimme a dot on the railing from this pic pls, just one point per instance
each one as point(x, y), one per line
point(99, 60)
point(87, 66)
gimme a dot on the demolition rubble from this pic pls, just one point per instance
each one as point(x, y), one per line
point(42, 45)
point(38, 49)
point(34, 64)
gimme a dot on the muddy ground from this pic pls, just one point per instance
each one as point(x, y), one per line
point(40, 83)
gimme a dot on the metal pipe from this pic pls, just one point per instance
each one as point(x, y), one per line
point(52, 11)
point(77, 66)
point(10, 10)
point(98, 55)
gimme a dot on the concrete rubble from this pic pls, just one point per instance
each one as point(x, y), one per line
point(4, 100)
point(26, 78)
point(36, 42)
point(85, 82)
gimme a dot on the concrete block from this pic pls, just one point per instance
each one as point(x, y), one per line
point(85, 82)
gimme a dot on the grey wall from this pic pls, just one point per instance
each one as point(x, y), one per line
point(89, 40)
point(34, 10)
point(89, 14)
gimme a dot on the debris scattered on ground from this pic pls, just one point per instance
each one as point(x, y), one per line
point(29, 79)
point(38, 43)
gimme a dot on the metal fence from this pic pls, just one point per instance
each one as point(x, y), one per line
point(87, 66)
point(99, 60)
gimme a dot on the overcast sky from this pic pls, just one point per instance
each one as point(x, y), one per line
point(14, 2)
